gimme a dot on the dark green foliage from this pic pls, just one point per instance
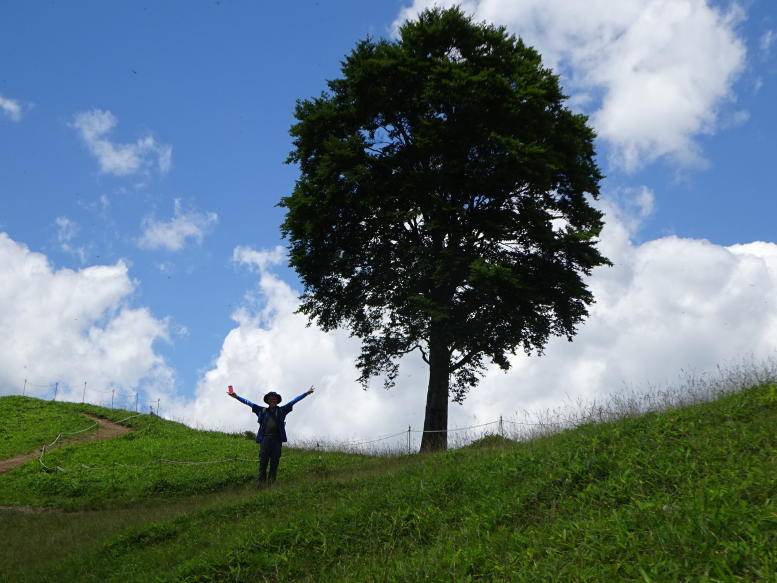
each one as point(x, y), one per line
point(443, 202)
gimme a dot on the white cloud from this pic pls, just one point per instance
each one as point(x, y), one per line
point(271, 348)
point(667, 306)
point(260, 260)
point(734, 119)
point(67, 229)
point(630, 206)
point(66, 232)
point(73, 327)
point(173, 234)
point(11, 108)
point(656, 73)
point(120, 159)
point(766, 42)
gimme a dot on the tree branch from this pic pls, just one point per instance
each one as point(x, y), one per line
point(464, 361)
point(399, 127)
point(420, 348)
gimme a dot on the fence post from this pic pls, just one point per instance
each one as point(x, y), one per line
point(112, 392)
point(56, 390)
point(157, 407)
point(408, 439)
point(501, 427)
point(136, 401)
point(83, 395)
point(24, 390)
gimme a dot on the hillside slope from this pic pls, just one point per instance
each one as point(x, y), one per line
point(26, 424)
point(683, 495)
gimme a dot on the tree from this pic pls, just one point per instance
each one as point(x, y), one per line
point(443, 205)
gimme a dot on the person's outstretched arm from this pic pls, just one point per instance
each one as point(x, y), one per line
point(290, 404)
point(242, 399)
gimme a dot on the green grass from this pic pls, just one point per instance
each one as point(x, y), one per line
point(682, 495)
point(29, 423)
point(137, 466)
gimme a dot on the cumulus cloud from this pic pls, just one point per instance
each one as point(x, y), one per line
point(655, 73)
point(120, 159)
point(172, 235)
point(12, 108)
point(70, 327)
point(272, 348)
point(667, 306)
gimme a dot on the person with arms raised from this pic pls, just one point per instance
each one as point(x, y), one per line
point(272, 430)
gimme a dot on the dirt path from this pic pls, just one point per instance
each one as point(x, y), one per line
point(105, 430)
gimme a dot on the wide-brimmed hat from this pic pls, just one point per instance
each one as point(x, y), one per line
point(276, 395)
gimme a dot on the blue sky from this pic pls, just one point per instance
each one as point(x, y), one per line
point(215, 81)
point(142, 150)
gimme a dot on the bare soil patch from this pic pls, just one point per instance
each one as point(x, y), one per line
point(105, 430)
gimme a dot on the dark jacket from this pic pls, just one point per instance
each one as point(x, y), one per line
point(262, 413)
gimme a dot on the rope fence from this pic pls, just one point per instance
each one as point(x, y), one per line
point(121, 398)
point(548, 421)
point(348, 445)
point(530, 430)
point(62, 433)
point(521, 431)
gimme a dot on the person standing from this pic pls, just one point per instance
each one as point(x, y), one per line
point(272, 430)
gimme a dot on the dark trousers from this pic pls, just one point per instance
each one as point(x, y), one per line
point(269, 453)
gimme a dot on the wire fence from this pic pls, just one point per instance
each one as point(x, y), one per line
point(398, 443)
point(499, 426)
point(692, 388)
point(113, 465)
point(152, 464)
point(408, 440)
point(695, 389)
point(109, 397)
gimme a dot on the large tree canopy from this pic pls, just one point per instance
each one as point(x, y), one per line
point(443, 205)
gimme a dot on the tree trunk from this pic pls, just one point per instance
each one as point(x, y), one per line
point(435, 435)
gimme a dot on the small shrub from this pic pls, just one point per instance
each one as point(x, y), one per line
point(492, 440)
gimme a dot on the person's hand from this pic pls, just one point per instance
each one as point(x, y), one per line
point(310, 390)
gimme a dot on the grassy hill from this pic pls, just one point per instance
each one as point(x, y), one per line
point(29, 423)
point(683, 495)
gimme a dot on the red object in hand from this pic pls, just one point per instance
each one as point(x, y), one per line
point(231, 390)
